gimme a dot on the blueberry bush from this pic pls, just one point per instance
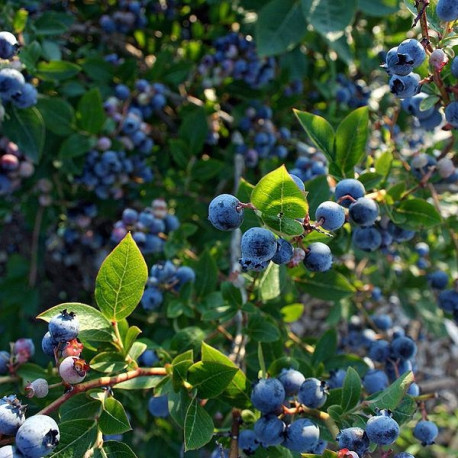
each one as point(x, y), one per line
point(229, 228)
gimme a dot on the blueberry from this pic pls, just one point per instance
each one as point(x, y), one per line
point(432, 121)
point(376, 294)
point(10, 451)
point(403, 455)
point(269, 430)
point(11, 83)
point(258, 244)
point(298, 181)
point(184, 274)
point(25, 97)
point(332, 214)
point(224, 212)
point(268, 395)
point(422, 248)
point(403, 347)
point(152, 298)
point(425, 431)
point(319, 448)
point(8, 45)
point(318, 257)
point(447, 10)
point(366, 238)
point(23, 349)
point(414, 49)
point(354, 439)
point(48, 344)
point(163, 271)
point(247, 441)
point(336, 378)
point(414, 389)
point(400, 234)
point(312, 393)
point(405, 86)
point(412, 106)
point(158, 406)
point(364, 211)
point(394, 369)
point(291, 379)
point(382, 321)
point(379, 350)
point(129, 216)
point(122, 92)
point(454, 67)
point(64, 326)
point(397, 63)
point(382, 429)
point(375, 380)
point(349, 187)
point(448, 300)
point(12, 415)
point(172, 223)
point(284, 252)
point(148, 358)
point(4, 362)
point(38, 436)
point(302, 435)
point(451, 113)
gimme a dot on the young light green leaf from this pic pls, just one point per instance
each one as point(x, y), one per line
point(292, 312)
point(350, 141)
point(198, 426)
point(277, 195)
point(210, 378)
point(93, 325)
point(121, 280)
point(320, 132)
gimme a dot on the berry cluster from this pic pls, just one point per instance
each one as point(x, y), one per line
point(13, 86)
point(427, 119)
point(310, 163)
point(35, 437)
point(129, 16)
point(236, 57)
point(424, 166)
point(257, 136)
point(21, 351)
point(149, 227)
point(352, 93)
point(165, 276)
point(14, 166)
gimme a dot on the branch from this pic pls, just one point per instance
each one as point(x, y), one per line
point(102, 382)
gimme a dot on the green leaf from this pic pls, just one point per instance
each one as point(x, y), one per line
point(198, 426)
point(51, 23)
point(58, 115)
point(115, 449)
point(57, 70)
point(370, 180)
point(392, 396)
point(351, 139)
point(194, 130)
point(136, 350)
point(180, 365)
point(178, 405)
point(329, 286)
point(93, 325)
point(206, 274)
point(244, 194)
point(30, 54)
point(237, 393)
point(277, 195)
point(280, 27)
point(98, 70)
point(330, 18)
point(129, 339)
point(30, 371)
point(210, 378)
point(326, 347)
point(20, 21)
point(108, 361)
point(292, 312)
point(91, 115)
point(262, 329)
point(140, 383)
point(318, 191)
point(80, 407)
point(26, 128)
point(75, 145)
point(76, 438)
point(121, 280)
point(416, 214)
point(383, 163)
point(378, 7)
point(286, 227)
point(270, 284)
point(320, 132)
point(429, 102)
point(231, 294)
point(351, 390)
point(113, 419)
point(405, 409)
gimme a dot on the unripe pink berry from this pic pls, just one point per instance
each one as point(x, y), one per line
point(72, 348)
point(38, 388)
point(298, 257)
point(73, 370)
point(438, 59)
point(23, 350)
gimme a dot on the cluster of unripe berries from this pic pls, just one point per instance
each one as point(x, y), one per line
point(165, 276)
point(149, 227)
point(424, 166)
point(236, 57)
point(61, 342)
point(13, 86)
point(35, 437)
point(14, 166)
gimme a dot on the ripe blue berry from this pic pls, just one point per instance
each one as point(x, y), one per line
point(403, 347)
point(364, 211)
point(332, 214)
point(291, 379)
point(318, 257)
point(403, 455)
point(349, 187)
point(247, 441)
point(425, 431)
point(382, 429)
point(414, 389)
point(379, 350)
point(405, 86)
point(451, 113)
point(454, 67)
point(258, 244)
point(284, 252)
point(336, 378)
point(397, 63)
point(152, 298)
point(8, 45)
point(269, 430)
point(38, 436)
point(312, 393)
point(375, 380)
point(366, 238)
point(10, 451)
point(298, 181)
point(354, 439)
point(158, 406)
point(382, 321)
point(11, 415)
point(412, 106)
point(302, 435)
point(448, 300)
point(224, 212)
point(64, 326)
point(148, 358)
point(268, 395)
point(447, 10)
point(414, 49)
point(48, 344)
